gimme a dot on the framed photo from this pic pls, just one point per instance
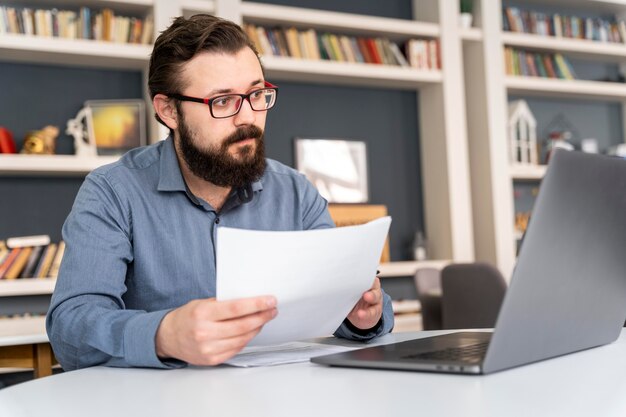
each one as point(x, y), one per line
point(116, 126)
point(337, 168)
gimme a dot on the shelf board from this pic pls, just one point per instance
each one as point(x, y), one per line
point(578, 48)
point(528, 172)
point(549, 87)
point(198, 6)
point(23, 331)
point(331, 72)
point(26, 286)
point(407, 323)
point(346, 23)
point(408, 268)
point(51, 164)
point(471, 34)
point(74, 52)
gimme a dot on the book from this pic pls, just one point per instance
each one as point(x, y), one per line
point(8, 261)
point(24, 241)
point(398, 54)
point(4, 251)
point(18, 265)
point(56, 262)
point(293, 44)
point(32, 262)
point(46, 261)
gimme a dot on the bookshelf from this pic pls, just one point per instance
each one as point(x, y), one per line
point(441, 117)
point(489, 88)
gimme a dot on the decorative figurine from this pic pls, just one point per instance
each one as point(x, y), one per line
point(522, 134)
point(84, 143)
point(42, 142)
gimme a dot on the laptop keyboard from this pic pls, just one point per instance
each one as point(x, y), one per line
point(471, 353)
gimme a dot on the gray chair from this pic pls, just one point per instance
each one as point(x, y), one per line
point(428, 287)
point(472, 294)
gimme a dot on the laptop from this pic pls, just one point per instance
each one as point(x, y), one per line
point(568, 290)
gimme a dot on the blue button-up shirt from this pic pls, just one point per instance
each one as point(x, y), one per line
point(139, 244)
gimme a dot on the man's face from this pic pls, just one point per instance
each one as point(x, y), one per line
point(230, 151)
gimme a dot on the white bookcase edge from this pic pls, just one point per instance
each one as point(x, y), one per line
point(556, 88)
point(344, 73)
point(18, 164)
point(577, 48)
point(74, 52)
point(27, 286)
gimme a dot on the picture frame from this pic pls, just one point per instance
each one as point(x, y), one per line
point(336, 167)
point(116, 126)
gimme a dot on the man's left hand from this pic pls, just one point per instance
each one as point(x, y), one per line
point(367, 312)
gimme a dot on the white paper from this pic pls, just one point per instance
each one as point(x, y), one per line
point(317, 276)
point(285, 353)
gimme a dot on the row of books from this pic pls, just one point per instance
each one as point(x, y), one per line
point(103, 25)
point(309, 44)
point(30, 257)
point(594, 29)
point(534, 64)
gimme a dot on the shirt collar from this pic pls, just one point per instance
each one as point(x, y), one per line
point(170, 176)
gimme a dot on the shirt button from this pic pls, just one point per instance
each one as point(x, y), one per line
point(217, 220)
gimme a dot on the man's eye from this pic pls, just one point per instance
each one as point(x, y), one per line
point(257, 94)
point(223, 101)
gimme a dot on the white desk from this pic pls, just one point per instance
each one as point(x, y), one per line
point(590, 383)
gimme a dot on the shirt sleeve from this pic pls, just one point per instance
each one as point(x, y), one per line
point(316, 216)
point(385, 325)
point(87, 322)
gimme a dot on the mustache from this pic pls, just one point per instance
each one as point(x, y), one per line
point(244, 133)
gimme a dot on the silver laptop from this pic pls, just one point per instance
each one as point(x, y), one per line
point(568, 290)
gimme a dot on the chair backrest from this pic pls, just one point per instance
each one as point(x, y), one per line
point(428, 287)
point(472, 294)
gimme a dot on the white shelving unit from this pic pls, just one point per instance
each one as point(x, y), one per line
point(266, 14)
point(51, 164)
point(528, 172)
point(27, 286)
point(408, 268)
point(487, 88)
point(344, 73)
point(442, 121)
point(75, 52)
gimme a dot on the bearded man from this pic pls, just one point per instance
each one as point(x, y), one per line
point(136, 285)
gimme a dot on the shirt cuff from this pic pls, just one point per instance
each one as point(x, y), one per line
point(140, 342)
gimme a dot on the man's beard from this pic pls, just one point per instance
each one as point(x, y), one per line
point(216, 165)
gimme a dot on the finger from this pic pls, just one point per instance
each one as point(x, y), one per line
point(376, 284)
point(220, 351)
point(242, 325)
point(369, 313)
point(373, 296)
point(225, 310)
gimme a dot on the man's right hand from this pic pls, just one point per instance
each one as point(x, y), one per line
point(209, 332)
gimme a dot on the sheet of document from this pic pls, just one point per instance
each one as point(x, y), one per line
point(284, 353)
point(317, 276)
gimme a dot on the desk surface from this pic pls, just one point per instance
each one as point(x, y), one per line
point(589, 383)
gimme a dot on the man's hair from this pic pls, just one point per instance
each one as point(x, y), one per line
point(182, 41)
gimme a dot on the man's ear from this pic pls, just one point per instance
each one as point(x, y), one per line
point(166, 110)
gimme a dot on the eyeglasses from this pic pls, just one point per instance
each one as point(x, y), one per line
point(228, 105)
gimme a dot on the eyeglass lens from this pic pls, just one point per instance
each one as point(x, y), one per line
point(229, 105)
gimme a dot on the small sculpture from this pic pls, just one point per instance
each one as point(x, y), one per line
point(522, 134)
point(84, 143)
point(41, 142)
